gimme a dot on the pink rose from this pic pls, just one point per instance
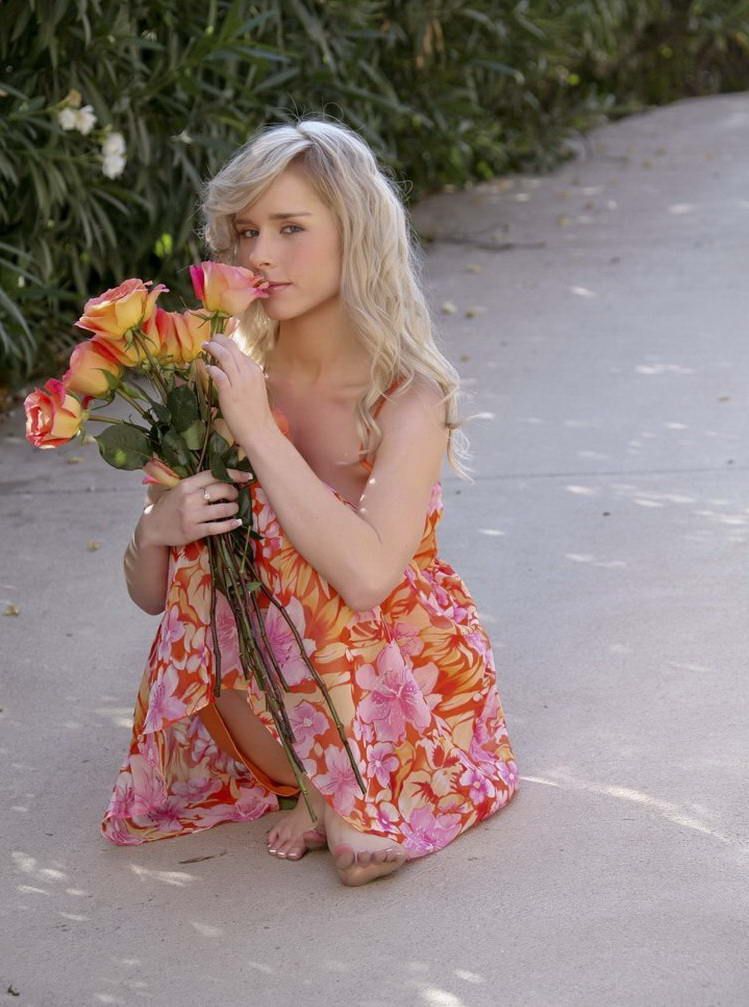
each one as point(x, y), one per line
point(228, 289)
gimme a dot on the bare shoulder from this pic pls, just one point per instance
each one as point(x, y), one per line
point(419, 404)
point(414, 429)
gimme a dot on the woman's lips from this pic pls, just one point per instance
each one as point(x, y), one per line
point(275, 287)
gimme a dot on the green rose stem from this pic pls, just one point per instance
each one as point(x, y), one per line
point(105, 419)
point(134, 385)
point(273, 697)
point(315, 674)
point(133, 402)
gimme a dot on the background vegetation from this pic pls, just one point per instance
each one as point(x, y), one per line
point(102, 185)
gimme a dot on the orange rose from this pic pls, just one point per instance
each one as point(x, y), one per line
point(179, 335)
point(114, 313)
point(161, 331)
point(53, 417)
point(228, 289)
point(87, 366)
point(158, 472)
point(192, 331)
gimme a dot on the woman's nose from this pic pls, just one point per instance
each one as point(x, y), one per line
point(260, 256)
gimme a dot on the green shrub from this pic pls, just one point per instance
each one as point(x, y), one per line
point(445, 92)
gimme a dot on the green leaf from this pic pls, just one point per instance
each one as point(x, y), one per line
point(174, 449)
point(183, 406)
point(245, 506)
point(218, 450)
point(124, 446)
point(193, 436)
point(161, 412)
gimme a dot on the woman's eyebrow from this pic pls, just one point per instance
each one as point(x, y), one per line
point(274, 216)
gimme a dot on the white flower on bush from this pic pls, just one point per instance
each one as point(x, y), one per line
point(114, 145)
point(82, 119)
point(113, 166)
point(67, 118)
point(113, 155)
point(85, 120)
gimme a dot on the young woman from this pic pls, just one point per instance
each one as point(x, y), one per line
point(345, 406)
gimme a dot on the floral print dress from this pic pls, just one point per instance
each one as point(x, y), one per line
point(413, 681)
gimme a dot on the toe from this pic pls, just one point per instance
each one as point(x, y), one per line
point(344, 856)
point(363, 857)
point(290, 849)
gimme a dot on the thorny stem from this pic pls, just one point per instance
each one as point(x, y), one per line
point(104, 419)
point(315, 674)
point(134, 384)
point(214, 631)
point(133, 402)
point(273, 699)
point(241, 591)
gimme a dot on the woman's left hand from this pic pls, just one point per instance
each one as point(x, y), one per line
point(242, 393)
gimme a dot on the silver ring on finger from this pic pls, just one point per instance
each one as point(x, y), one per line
point(206, 494)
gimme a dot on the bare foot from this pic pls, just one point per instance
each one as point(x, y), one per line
point(360, 857)
point(296, 833)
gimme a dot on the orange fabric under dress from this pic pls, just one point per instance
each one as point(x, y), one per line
point(413, 680)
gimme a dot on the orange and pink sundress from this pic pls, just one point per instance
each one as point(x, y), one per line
point(413, 680)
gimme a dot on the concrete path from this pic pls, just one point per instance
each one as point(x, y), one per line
point(605, 540)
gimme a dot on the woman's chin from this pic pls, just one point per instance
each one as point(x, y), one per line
point(276, 313)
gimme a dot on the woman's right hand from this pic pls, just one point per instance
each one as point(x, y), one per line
point(182, 514)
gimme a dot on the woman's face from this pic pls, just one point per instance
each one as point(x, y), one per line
point(302, 250)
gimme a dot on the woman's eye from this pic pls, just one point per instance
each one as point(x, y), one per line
point(248, 229)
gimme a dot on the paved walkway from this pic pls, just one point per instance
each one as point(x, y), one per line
point(605, 540)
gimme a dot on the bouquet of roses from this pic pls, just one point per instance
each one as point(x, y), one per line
point(181, 431)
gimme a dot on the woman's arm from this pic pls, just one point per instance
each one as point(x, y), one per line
point(146, 565)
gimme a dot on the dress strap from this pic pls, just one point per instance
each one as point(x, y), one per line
point(375, 410)
point(380, 402)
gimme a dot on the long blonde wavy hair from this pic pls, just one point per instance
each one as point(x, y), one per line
point(382, 265)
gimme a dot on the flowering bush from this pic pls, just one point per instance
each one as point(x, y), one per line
point(111, 113)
